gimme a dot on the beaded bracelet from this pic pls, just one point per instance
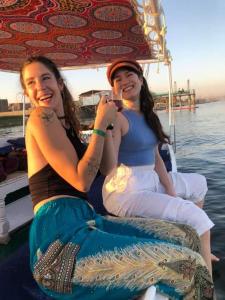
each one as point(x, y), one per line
point(99, 132)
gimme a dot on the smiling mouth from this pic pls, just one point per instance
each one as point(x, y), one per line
point(45, 98)
point(127, 89)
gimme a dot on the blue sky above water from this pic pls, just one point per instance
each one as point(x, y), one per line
point(196, 40)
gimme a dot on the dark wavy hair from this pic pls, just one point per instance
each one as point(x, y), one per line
point(147, 107)
point(69, 105)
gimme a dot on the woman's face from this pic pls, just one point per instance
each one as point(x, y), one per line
point(129, 83)
point(42, 87)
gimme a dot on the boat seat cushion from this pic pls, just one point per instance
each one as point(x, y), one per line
point(17, 142)
point(166, 158)
point(95, 195)
point(5, 148)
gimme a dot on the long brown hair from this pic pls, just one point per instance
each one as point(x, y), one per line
point(146, 107)
point(69, 105)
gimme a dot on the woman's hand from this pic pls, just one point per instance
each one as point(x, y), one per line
point(106, 113)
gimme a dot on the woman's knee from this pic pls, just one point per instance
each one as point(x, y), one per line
point(194, 216)
point(200, 187)
point(203, 182)
point(191, 237)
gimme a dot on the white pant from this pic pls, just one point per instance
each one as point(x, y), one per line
point(137, 192)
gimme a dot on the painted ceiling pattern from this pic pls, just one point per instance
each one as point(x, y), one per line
point(73, 33)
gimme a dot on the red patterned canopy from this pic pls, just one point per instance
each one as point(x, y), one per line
point(79, 33)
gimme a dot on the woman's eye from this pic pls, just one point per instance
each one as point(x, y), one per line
point(29, 83)
point(46, 77)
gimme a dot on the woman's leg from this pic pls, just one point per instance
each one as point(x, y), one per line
point(81, 259)
point(125, 265)
point(206, 249)
point(193, 186)
point(190, 186)
point(171, 232)
point(161, 206)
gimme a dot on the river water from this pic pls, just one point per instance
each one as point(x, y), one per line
point(200, 147)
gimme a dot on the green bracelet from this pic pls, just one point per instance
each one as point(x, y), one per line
point(99, 132)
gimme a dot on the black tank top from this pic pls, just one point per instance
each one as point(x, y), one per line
point(47, 183)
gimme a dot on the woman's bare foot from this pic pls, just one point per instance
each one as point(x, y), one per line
point(214, 258)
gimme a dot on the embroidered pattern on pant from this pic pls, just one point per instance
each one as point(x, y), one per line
point(140, 266)
point(182, 234)
point(202, 288)
point(54, 268)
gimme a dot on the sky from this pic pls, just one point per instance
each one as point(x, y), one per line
point(196, 40)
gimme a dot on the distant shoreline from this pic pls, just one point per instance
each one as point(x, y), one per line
point(15, 118)
point(13, 113)
point(20, 112)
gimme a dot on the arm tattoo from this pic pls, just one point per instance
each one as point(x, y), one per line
point(93, 166)
point(47, 116)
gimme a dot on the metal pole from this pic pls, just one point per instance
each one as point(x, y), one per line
point(170, 94)
point(171, 112)
point(24, 117)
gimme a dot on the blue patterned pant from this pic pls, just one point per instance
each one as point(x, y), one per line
point(77, 254)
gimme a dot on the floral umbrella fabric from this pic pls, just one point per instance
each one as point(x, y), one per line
point(79, 33)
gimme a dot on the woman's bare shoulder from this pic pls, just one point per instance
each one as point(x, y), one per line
point(40, 115)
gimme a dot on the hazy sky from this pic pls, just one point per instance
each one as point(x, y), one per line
point(196, 40)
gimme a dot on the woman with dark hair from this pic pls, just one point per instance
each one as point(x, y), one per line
point(139, 185)
point(75, 253)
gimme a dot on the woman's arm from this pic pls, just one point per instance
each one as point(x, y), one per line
point(163, 174)
point(111, 147)
point(58, 151)
point(109, 159)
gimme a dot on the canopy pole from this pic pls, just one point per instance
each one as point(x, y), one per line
point(24, 117)
point(171, 111)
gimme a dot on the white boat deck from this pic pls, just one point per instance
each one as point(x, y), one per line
point(17, 213)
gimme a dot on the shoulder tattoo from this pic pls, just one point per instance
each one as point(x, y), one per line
point(47, 116)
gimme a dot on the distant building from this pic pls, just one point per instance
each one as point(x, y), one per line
point(88, 102)
point(18, 106)
point(3, 105)
point(91, 97)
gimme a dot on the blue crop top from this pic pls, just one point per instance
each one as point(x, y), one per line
point(137, 146)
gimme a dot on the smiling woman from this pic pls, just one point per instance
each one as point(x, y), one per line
point(138, 184)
